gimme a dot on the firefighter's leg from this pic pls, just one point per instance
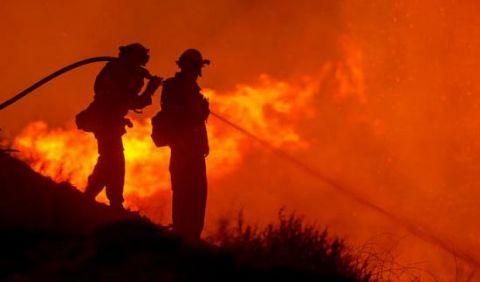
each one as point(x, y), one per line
point(116, 174)
point(180, 218)
point(97, 180)
point(189, 195)
point(179, 177)
point(198, 197)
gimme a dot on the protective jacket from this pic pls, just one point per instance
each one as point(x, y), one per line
point(116, 92)
point(187, 111)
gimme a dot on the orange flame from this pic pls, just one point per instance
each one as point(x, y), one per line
point(271, 109)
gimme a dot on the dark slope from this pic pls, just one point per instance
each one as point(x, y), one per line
point(51, 233)
point(31, 201)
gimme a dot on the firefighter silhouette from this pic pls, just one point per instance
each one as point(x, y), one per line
point(188, 110)
point(117, 90)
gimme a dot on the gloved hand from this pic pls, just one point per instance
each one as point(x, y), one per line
point(154, 83)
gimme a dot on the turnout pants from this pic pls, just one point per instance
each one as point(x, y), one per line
point(189, 186)
point(109, 171)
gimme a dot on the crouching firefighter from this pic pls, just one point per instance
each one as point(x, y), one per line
point(181, 124)
point(117, 90)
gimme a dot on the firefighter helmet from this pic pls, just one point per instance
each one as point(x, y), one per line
point(192, 56)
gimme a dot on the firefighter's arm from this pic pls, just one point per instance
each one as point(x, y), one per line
point(145, 98)
point(152, 86)
point(205, 108)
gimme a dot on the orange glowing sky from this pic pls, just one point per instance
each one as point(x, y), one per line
point(383, 96)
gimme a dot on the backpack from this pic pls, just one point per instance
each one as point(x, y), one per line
point(161, 131)
point(87, 120)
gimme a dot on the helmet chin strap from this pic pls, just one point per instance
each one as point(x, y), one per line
point(52, 76)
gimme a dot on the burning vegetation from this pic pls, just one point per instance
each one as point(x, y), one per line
point(266, 109)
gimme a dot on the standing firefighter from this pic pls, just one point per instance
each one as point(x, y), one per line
point(187, 110)
point(117, 90)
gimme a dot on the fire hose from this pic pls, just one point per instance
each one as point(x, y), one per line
point(417, 231)
point(52, 76)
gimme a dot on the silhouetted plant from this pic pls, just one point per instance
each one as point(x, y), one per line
point(290, 243)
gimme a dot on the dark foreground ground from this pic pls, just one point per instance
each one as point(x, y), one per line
point(49, 232)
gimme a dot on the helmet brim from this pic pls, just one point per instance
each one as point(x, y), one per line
point(200, 63)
